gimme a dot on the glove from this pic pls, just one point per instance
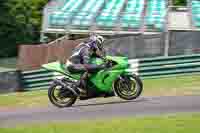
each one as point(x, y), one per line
point(108, 64)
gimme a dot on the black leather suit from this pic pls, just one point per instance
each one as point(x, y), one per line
point(79, 62)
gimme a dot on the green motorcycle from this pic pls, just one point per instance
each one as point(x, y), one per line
point(113, 81)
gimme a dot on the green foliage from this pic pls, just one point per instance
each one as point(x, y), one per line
point(179, 2)
point(20, 23)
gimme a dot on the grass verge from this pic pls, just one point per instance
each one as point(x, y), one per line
point(181, 85)
point(24, 99)
point(182, 123)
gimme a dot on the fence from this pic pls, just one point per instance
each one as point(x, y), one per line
point(10, 81)
point(33, 56)
point(184, 43)
point(146, 68)
point(150, 51)
point(137, 46)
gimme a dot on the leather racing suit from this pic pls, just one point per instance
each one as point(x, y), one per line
point(79, 62)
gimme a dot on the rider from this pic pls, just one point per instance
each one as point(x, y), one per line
point(79, 61)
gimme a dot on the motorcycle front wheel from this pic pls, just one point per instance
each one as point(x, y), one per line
point(61, 97)
point(128, 87)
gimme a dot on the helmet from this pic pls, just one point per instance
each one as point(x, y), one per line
point(98, 41)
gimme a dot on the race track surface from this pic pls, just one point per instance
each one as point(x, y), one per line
point(90, 110)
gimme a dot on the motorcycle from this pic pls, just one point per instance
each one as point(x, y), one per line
point(112, 81)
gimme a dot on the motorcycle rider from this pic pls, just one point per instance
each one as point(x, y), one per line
point(79, 61)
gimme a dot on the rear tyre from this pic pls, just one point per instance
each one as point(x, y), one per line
point(61, 97)
point(128, 87)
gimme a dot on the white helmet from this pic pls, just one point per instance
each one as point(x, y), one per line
point(99, 41)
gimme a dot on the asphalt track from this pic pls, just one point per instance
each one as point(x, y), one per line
point(102, 109)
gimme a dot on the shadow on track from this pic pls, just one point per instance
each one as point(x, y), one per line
point(109, 103)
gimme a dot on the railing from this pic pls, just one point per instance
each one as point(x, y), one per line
point(117, 27)
point(146, 68)
point(68, 27)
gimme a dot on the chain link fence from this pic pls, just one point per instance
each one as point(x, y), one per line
point(184, 43)
point(138, 46)
point(147, 46)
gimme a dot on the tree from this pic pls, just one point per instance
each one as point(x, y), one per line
point(179, 2)
point(20, 23)
point(4, 23)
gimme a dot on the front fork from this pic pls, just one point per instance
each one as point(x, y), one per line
point(124, 80)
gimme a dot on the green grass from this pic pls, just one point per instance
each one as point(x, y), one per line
point(182, 123)
point(8, 64)
point(181, 85)
point(24, 99)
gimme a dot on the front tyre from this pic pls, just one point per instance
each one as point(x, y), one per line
point(128, 87)
point(61, 97)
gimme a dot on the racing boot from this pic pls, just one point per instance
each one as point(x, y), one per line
point(83, 84)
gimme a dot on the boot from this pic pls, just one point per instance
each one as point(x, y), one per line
point(80, 87)
point(83, 82)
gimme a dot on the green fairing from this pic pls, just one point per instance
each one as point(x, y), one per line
point(60, 68)
point(103, 79)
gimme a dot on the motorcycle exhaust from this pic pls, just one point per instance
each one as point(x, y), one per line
point(58, 81)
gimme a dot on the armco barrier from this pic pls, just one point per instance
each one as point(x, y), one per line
point(9, 81)
point(146, 68)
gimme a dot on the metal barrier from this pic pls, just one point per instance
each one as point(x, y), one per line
point(162, 67)
point(146, 68)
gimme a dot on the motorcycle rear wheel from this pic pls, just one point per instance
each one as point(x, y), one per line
point(128, 87)
point(59, 101)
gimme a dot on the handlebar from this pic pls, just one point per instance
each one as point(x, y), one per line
point(108, 62)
